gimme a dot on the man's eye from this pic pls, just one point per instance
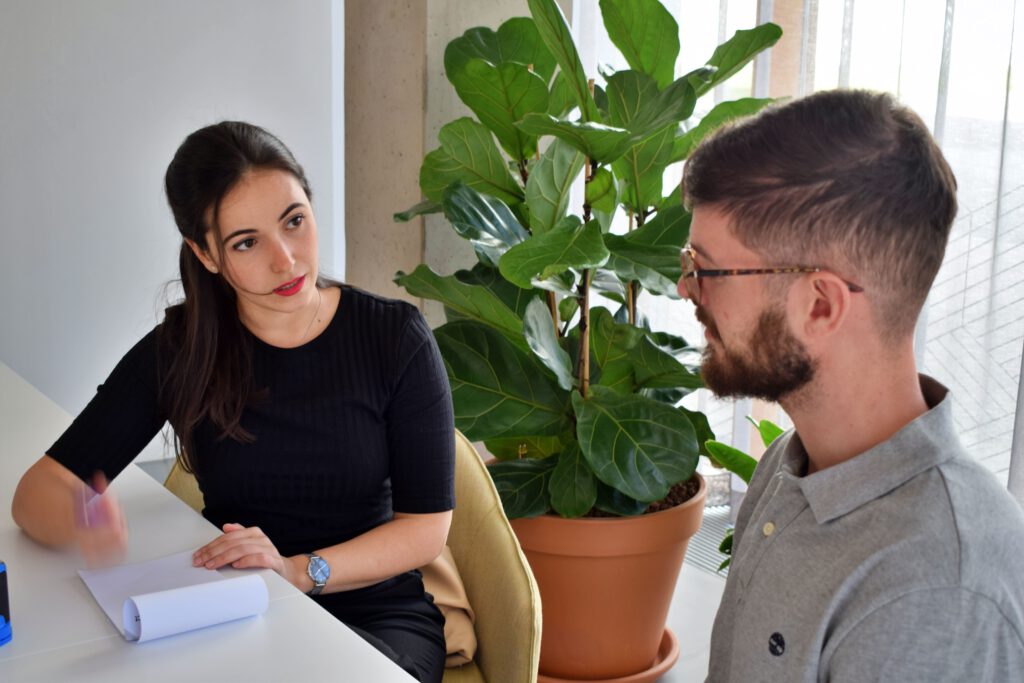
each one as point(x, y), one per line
point(245, 245)
point(296, 220)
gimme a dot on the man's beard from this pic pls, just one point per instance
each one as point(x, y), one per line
point(776, 364)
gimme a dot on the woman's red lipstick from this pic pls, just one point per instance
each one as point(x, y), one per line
point(291, 288)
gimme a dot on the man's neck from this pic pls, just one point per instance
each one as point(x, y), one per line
point(845, 413)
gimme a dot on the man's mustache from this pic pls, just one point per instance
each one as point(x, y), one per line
point(704, 319)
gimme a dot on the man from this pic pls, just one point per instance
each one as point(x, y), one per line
point(870, 545)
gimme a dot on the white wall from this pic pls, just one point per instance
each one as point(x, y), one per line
point(94, 99)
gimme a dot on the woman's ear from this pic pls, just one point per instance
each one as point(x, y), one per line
point(203, 255)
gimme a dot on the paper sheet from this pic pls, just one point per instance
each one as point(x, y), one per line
point(168, 595)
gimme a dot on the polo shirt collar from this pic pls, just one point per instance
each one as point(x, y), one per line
point(925, 442)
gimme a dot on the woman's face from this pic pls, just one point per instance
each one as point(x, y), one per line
point(269, 244)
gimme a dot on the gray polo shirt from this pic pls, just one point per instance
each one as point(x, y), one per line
point(904, 563)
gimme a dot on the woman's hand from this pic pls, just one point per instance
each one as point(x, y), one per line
point(246, 548)
point(100, 528)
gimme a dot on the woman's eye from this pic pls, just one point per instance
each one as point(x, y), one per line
point(296, 220)
point(245, 245)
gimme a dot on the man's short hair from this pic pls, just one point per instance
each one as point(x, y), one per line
point(849, 180)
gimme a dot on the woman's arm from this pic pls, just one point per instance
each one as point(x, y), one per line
point(406, 542)
point(54, 507)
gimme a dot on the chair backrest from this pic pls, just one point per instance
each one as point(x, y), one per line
point(498, 580)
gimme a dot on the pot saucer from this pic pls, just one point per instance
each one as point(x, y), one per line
point(668, 653)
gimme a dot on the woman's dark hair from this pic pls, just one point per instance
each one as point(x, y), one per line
point(204, 350)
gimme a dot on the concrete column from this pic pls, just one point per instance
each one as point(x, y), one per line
point(385, 62)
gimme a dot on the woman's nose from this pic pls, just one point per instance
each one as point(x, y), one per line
point(282, 260)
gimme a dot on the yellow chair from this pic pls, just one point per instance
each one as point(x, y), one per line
point(498, 581)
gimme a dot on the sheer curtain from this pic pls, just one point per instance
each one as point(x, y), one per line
point(956, 64)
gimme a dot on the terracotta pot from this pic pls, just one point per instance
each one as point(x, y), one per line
point(605, 586)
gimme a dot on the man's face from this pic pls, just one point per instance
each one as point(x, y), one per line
point(769, 364)
point(750, 349)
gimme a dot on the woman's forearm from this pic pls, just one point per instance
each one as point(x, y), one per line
point(43, 501)
point(406, 542)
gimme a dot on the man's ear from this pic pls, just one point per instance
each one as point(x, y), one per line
point(824, 305)
point(203, 255)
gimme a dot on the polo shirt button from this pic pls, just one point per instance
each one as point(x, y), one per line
point(768, 529)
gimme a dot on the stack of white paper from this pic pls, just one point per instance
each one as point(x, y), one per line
point(167, 596)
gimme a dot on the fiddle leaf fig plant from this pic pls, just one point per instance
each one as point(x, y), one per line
point(550, 361)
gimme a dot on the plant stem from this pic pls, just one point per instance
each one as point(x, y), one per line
point(585, 333)
point(631, 302)
point(553, 306)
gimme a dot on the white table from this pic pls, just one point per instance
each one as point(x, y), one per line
point(61, 634)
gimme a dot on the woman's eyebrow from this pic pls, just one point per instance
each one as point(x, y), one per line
point(236, 233)
point(291, 207)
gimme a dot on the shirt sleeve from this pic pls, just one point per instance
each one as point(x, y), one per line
point(420, 425)
point(119, 421)
point(938, 634)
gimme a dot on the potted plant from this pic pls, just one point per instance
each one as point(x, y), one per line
point(578, 402)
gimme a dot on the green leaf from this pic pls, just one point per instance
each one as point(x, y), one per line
point(515, 298)
point(474, 303)
point(638, 446)
point(641, 170)
point(646, 35)
point(657, 268)
point(567, 307)
point(642, 166)
point(612, 343)
point(768, 430)
point(701, 426)
point(500, 95)
point(628, 93)
point(722, 113)
point(516, 40)
point(560, 99)
point(572, 486)
point(539, 330)
point(616, 502)
point(468, 153)
point(566, 246)
point(606, 282)
point(596, 140)
point(547, 188)
point(605, 143)
point(669, 227)
point(657, 369)
point(424, 207)
point(737, 52)
point(523, 486)
point(498, 390)
point(601, 193)
point(725, 547)
point(524, 447)
point(555, 33)
point(485, 221)
point(732, 459)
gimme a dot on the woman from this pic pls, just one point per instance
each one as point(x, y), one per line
point(316, 417)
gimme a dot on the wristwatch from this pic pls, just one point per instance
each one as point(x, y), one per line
point(319, 571)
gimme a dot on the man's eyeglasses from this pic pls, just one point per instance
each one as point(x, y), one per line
point(692, 274)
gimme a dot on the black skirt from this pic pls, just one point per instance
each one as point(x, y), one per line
point(397, 617)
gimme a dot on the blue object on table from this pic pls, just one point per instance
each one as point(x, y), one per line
point(5, 608)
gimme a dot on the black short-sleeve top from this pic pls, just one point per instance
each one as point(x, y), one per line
point(354, 425)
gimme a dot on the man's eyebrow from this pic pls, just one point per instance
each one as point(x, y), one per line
point(700, 251)
point(236, 233)
point(291, 207)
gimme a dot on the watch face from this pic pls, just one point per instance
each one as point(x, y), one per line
point(319, 570)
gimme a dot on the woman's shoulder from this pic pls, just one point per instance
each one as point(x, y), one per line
point(355, 301)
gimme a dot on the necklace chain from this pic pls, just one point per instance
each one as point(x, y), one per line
point(319, 298)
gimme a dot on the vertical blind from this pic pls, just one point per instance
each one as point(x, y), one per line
point(956, 64)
